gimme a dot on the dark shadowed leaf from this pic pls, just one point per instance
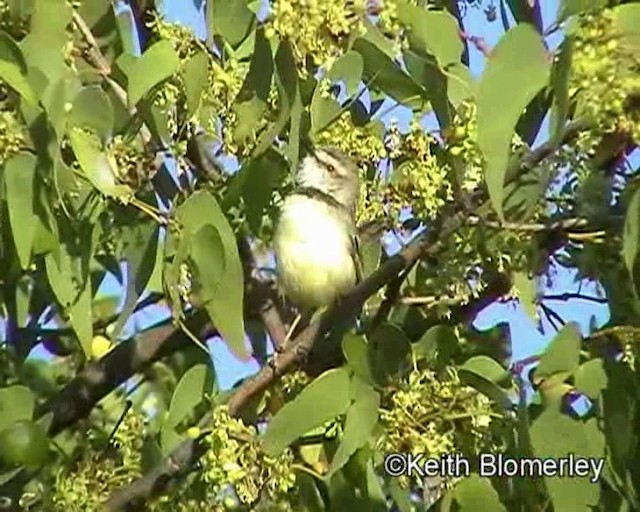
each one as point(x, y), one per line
point(386, 75)
point(251, 101)
point(325, 398)
point(388, 351)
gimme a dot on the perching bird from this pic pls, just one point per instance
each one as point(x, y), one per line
point(315, 239)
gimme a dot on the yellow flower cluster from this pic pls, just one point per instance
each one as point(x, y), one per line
point(605, 75)
point(15, 26)
point(419, 417)
point(319, 29)
point(461, 140)
point(12, 135)
point(423, 181)
point(234, 457)
point(134, 167)
point(182, 38)
point(361, 143)
point(90, 483)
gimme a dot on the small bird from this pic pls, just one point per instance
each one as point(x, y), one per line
point(315, 239)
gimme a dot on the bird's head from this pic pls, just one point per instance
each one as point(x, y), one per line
point(332, 172)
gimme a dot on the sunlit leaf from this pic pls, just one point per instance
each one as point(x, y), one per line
point(516, 71)
point(16, 403)
point(19, 176)
point(156, 64)
point(13, 69)
point(325, 398)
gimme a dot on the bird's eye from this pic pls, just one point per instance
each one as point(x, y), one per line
point(331, 169)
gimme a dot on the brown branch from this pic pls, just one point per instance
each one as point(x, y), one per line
point(76, 400)
point(183, 458)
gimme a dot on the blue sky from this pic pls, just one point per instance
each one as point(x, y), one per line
point(527, 339)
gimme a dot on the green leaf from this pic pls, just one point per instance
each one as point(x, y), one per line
point(560, 74)
point(486, 368)
point(251, 101)
point(439, 342)
point(196, 79)
point(554, 435)
point(591, 378)
point(486, 375)
point(13, 69)
point(477, 493)
point(527, 288)
point(349, 68)
point(323, 111)
point(16, 403)
point(157, 63)
point(562, 356)
point(43, 46)
point(19, 179)
point(432, 32)
point(627, 18)
point(126, 30)
point(56, 99)
point(288, 91)
point(386, 75)
point(224, 303)
point(324, 399)
point(362, 417)
point(95, 163)
point(389, 348)
point(425, 70)
point(516, 71)
point(231, 19)
point(263, 175)
point(356, 352)
point(631, 233)
point(570, 8)
point(93, 111)
point(140, 244)
point(189, 392)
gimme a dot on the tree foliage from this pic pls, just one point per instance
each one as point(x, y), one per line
point(111, 167)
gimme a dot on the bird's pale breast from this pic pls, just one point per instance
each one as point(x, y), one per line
point(313, 252)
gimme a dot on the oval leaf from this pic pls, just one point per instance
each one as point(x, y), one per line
point(562, 356)
point(19, 175)
point(362, 417)
point(516, 71)
point(16, 403)
point(13, 69)
point(93, 110)
point(189, 392)
point(95, 163)
point(157, 64)
point(325, 398)
point(631, 233)
point(224, 301)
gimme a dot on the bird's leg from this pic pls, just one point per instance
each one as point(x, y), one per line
point(281, 348)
